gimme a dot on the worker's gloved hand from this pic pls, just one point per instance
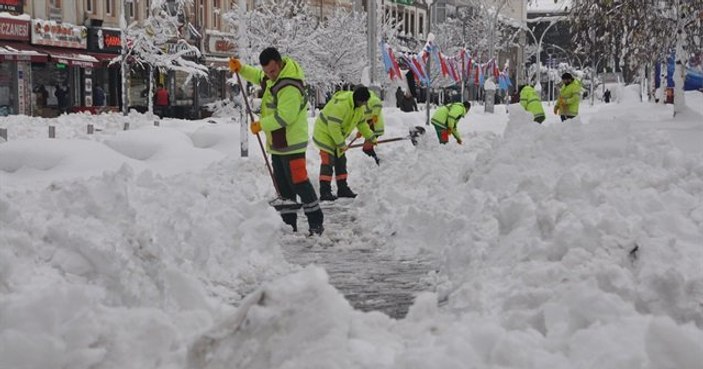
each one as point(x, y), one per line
point(358, 134)
point(556, 109)
point(234, 65)
point(343, 148)
point(374, 118)
point(255, 127)
point(460, 142)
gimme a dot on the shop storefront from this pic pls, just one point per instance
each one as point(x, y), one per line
point(105, 44)
point(219, 47)
point(16, 57)
point(64, 83)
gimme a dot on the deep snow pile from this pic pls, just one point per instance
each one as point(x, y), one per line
point(562, 245)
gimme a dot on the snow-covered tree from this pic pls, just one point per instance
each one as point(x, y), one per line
point(149, 42)
point(638, 33)
point(287, 25)
point(339, 52)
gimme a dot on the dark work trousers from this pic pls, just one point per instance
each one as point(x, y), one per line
point(442, 134)
point(291, 176)
point(333, 165)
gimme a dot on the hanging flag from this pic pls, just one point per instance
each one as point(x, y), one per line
point(387, 64)
point(453, 71)
point(420, 70)
point(396, 67)
point(411, 65)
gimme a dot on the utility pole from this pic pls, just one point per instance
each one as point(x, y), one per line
point(372, 39)
point(429, 64)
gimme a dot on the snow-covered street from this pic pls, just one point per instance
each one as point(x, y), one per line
point(576, 245)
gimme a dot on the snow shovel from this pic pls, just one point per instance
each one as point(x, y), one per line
point(413, 134)
point(279, 203)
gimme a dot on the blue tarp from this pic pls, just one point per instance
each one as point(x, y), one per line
point(693, 79)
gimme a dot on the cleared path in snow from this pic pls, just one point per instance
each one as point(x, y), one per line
point(369, 275)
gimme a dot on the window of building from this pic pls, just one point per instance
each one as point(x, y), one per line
point(201, 13)
point(89, 6)
point(55, 3)
point(216, 14)
point(421, 25)
point(412, 23)
point(406, 21)
point(130, 9)
point(109, 7)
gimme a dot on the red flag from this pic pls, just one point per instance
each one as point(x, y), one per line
point(395, 68)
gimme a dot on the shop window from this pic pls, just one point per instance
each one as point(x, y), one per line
point(184, 91)
point(139, 87)
point(216, 14)
point(8, 103)
point(51, 89)
point(201, 13)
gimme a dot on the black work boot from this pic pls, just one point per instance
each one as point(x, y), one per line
point(315, 220)
point(326, 191)
point(343, 190)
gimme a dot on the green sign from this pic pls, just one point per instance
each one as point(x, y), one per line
point(60, 66)
point(404, 2)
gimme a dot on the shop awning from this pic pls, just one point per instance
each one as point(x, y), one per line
point(103, 57)
point(74, 59)
point(10, 51)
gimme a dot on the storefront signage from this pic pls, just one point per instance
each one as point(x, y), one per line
point(12, 6)
point(14, 29)
point(220, 45)
point(51, 33)
point(174, 48)
point(105, 40)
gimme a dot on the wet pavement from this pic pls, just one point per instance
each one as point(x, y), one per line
point(359, 266)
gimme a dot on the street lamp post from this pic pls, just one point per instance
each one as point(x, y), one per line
point(539, 51)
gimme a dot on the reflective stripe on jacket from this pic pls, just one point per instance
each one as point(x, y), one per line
point(283, 108)
point(571, 95)
point(336, 122)
point(530, 101)
point(448, 116)
point(374, 108)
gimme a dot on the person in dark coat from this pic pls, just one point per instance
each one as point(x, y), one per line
point(398, 96)
point(606, 96)
point(98, 96)
point(407, 103)
point(61, 94)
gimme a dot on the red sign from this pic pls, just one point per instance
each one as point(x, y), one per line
point(14, 29)
point(220, 44)
point(12, 6)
